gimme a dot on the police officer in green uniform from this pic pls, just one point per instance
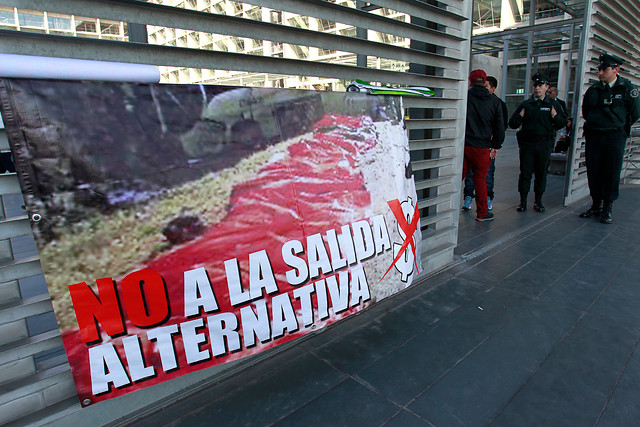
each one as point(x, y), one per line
point(609, 109)
point(539, 117)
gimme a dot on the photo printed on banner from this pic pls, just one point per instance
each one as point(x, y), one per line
point(184, 226)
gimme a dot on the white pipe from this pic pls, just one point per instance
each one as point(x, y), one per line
point(41, 67)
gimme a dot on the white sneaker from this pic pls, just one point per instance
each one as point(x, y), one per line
point(489, 203)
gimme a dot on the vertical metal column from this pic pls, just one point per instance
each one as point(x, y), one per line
point(532, 20)
point(361, 33)
point(575, 178)
point(568, 69)
point(505, 66)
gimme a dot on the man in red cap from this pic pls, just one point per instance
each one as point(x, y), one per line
point(484, 131)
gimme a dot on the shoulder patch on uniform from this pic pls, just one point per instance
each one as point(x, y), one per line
point(634, 92)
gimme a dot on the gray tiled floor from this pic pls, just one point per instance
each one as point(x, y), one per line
point(542, 329)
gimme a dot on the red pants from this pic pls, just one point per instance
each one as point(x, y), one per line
point(477, 159)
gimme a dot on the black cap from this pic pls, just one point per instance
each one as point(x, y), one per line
point(539, 78)
point(607, 60)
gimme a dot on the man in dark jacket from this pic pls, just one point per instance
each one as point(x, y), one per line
point(552, 93)
point(484, 131)
point(609, 109)
point(491, 84)
point(539, 117)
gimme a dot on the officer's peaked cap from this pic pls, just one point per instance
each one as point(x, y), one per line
point(608, 60)
point(539, 78)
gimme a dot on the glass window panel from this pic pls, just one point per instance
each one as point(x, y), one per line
point(56, 23)
point(30, 20)
point(85, 26)
point(109, 28)
point(7, 17)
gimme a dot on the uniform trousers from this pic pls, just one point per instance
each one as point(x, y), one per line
point(477, 160)
point(604, 151)
point(535, 156)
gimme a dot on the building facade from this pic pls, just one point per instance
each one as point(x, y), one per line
point(14, 18)
point(501, 32)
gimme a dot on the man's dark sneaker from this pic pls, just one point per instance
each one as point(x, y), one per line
point(538, 207)
point(487, 217)
point(591, 212)
point(522, 207)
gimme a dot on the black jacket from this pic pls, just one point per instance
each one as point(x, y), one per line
point(485, 121)
point(610, 109)
point(505, 113)
point(537, 121)
point(564, 106)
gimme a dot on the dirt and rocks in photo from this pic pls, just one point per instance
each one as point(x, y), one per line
point(97, 147)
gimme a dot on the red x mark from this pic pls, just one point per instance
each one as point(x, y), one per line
point(408, 229)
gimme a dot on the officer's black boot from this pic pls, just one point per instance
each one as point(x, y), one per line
point(537, 205)
point(523, 203)
point(605, 215)
point(594, 210)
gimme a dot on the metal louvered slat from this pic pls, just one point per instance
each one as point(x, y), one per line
point(619, 9)
point(432, 201)
point(9, 291)
point(619, 38)
point(429, 252)
point(452, 5)
point(42, 389)
point(434, 182)
point(338, 13)
point(600, 45)
point(4, 142)
point(60, 46)
point(435, 257)
point(577, 179)
point(9, 184)
point(608, 19)
point(429, 144)
point(173, 17)
point(25, 308)
point(17, 269)
point(432, 219)
point(13, 227)
point(30, 346)
point(185, 19)
point(609, 27)
point(433, 102)
point(430, 123)
point(432, 163)
point(421, 10)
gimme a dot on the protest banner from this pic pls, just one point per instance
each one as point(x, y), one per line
point(185, 226)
